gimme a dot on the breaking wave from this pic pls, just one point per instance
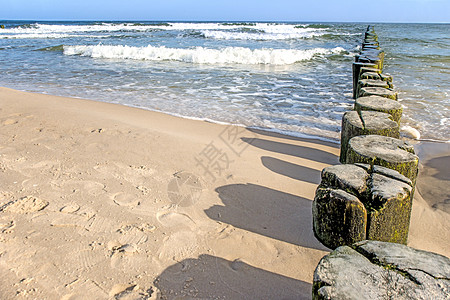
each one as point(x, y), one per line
point(240, 31)
point(259, 36)
point(201, 55)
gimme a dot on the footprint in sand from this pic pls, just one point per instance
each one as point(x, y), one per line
point(13, 119)
point(132, 234)
point(87, 212)
point(123, 199)
point(178, 246)
point(6, 151)
point(85, 289)
point(125, 256)
point(10, 122)
point(34, 183)
point(120, 291)
point(174, 219)
point(70, 208)
point(87, 258)
point(90, 187)
point(133, 291)
point(99, 224)
point(72, 215)
point(45, 165)
point(5, 197)
point(118, 247)
point(6, 226)
point(69, 220)
point(136, 175)
point(93, 188)
point(29, 169)
point(26, 205)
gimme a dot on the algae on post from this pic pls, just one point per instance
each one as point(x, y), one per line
point(365, 123)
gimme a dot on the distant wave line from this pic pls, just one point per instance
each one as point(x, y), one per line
point(262, 36)
point(270, 28)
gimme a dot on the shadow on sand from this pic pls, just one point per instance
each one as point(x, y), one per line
point(211, 277)
point(268, 212)
point(293, 138)
point(291, 170)
point(294, 150)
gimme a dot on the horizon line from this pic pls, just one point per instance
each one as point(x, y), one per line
point(219, 21)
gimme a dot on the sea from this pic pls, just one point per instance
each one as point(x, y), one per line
point(292, 78)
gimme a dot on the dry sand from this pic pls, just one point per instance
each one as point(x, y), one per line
point(103, 201)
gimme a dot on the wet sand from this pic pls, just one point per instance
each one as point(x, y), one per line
point(434, 175)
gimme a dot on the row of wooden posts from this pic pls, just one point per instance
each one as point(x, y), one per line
point(369, 196)
point(362, 208)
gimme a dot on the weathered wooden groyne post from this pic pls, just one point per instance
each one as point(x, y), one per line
point(381, 270)
point(369, 196)
point(362, 208)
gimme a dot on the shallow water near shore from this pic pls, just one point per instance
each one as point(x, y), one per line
point(294, 78)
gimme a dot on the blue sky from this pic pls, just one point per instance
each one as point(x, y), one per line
point(229, 10)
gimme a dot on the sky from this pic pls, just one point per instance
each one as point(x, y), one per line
point(408, 11)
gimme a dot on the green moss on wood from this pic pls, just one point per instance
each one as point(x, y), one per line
point(369, 75)
point(356, 67)
point(339, 218)
point(365, 123)
point(381, 104)
point(368, 69)
point(375, 91)
point(389, 206)
point(375, 83)
point(385, 195)
point(385, 152)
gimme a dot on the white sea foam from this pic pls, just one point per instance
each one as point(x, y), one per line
point(45, 36)
point(263, 31)
point(34, 36)
point(47, 29)
point(410, 132)
point(228, 35)
point(107, 27)
point(263, 27)
point(219, 31)
point(201, 55)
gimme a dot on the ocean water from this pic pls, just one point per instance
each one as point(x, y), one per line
point(289, 77)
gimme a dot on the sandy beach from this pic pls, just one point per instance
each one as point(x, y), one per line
point(103, 201)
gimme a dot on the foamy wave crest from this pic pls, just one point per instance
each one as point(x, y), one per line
point(126, 27)
point(227, 35)
point(54, 29)
point(200, 55)
point(265, 27)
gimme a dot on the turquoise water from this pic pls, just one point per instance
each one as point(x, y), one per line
point(289, 77)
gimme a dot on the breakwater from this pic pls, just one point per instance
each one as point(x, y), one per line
point(362, 208)
point(369, 196)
